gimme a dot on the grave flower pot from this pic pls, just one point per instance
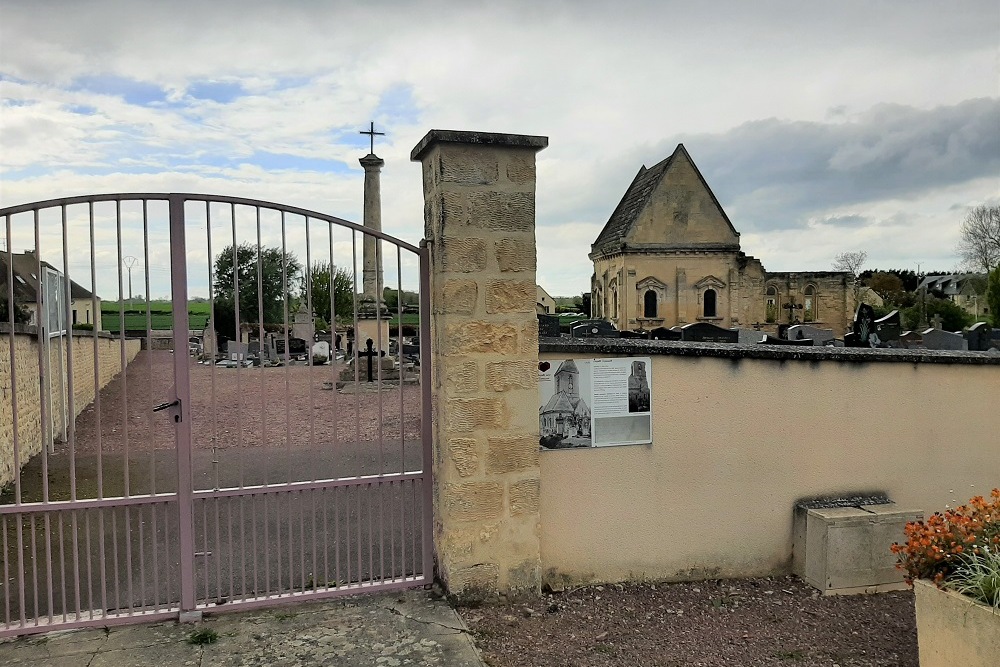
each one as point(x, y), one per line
point(954, 629)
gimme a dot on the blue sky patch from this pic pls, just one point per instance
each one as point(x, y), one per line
point(222, 92)
point(139, 93)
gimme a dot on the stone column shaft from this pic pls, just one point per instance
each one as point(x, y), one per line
point(372, 266)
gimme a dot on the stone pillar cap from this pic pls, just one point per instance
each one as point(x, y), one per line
point(371, 160)
point(533, 142)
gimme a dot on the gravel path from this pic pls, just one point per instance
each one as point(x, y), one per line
point(246, 407)
point(740, 623)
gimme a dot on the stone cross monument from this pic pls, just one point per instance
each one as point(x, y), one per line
point(371, 308)
point(372, 274)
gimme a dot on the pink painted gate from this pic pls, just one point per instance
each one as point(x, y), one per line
point(260, 435)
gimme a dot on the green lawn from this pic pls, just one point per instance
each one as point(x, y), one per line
point(162, 318)
point(160, 315)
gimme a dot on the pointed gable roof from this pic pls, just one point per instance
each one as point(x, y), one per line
point(638, 196)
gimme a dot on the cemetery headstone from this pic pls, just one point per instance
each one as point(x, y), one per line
point(633, 334)
point(805, 331)
point(749, 336)
point(771, 340)
point(548, 326)
point(978, 337)
point(863, 328)
point(938, 339)
point(663, 333)
point(594, 329)
point(704, 332)
point(783, 331)
point(888, 329)
point(911, 340)
point(937, 322)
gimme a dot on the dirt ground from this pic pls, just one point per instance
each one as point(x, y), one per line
point(739, 623)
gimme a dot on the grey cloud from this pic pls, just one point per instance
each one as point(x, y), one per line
point(772, 173)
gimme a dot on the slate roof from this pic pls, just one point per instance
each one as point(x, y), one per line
point(635, 199)
point(26, 280)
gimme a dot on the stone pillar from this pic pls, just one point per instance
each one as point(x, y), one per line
point(372, 268)
point(479, 212)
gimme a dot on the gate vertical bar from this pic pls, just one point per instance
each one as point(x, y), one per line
point(426, 428)
point(182, 412)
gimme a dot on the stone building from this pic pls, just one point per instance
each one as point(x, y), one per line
point(669, 255)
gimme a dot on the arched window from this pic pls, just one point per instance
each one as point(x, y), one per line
point(771, 304)
point(614, 303)
point(649, 304)
point(809, 304)
point(709, 299)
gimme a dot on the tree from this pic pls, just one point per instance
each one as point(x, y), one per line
point(851, 262)
point(979, 245)
point(953, 317)
point(21, 314)
point(887, 286)
point(272, 296)
point(343, 291)
point(993, 296)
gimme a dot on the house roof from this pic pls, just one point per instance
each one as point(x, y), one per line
point(25, 271)
point(951, 283)
point(636, 198)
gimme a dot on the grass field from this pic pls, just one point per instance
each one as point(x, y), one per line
point(161, 316)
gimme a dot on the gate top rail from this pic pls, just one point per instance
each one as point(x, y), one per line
point(218, 199)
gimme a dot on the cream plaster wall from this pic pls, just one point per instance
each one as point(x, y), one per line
point(737, 442)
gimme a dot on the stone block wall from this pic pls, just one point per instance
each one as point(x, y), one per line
point(479, 194)
point(26, 368)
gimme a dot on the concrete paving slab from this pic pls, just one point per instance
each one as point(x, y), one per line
point(403, 629)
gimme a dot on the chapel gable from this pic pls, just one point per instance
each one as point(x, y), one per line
point(668, 207)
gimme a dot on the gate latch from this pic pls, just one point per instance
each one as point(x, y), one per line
point(164, 406)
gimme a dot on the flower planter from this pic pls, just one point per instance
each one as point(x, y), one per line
point(954, 629)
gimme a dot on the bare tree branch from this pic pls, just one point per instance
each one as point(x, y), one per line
point(979, 245)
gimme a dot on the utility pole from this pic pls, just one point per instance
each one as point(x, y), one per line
point(129, 261)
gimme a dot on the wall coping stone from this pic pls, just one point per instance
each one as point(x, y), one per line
point(635, 347)
point(32, 330)
point(483, 138)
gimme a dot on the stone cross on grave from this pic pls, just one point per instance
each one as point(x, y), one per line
point(936, 321)
point(370, 352)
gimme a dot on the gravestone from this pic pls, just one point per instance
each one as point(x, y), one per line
point(548, 326)
point(978, 337)
point(320, 352)
point(749, 336)
point(937, 321)
point(888, 329)
point(663, 333)
point(236, 351)
point(863, 327)
point(783, 331)
point(771, 340)
point(938, 339)
point(703, 332)
point(911, 340)
point(633, 334)
point(804, 331)
point(594, 329)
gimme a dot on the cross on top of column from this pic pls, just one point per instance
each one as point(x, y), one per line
point(371, 135)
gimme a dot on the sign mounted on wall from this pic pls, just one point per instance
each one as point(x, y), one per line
point(594, 403)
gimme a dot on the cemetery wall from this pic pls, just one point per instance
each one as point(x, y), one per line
point(741, 434)
point(26, 370)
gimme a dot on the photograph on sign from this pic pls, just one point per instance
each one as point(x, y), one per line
point(594, 403)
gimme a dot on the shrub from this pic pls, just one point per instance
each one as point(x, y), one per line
point(947, 545)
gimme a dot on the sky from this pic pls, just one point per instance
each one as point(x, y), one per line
point(821, 127)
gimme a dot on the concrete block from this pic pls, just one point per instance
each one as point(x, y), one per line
point(846, 549)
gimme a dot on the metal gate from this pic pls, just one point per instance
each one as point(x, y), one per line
point(260, 435)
